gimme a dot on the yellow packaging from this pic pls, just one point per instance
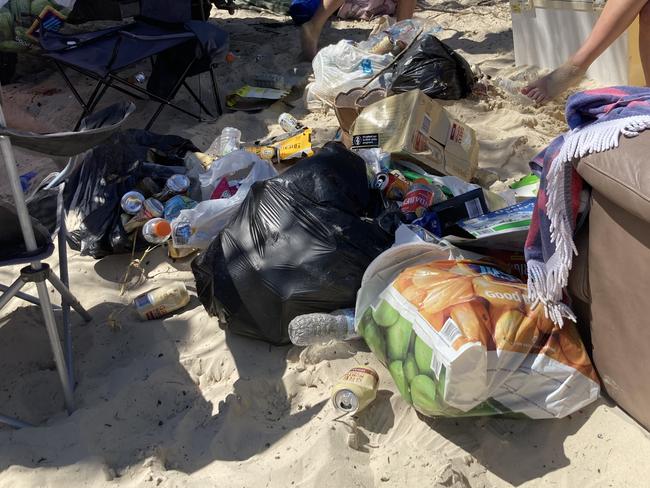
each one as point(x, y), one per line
point(414, 127)
point(284, 147)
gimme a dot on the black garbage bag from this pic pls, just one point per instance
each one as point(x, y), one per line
point(299, 243)
point(93, 192)
point(433, 67)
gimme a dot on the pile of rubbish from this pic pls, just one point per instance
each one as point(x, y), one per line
point(382, 235)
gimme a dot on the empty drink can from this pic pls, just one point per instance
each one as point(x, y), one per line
point(289, 123)
point(393, 185)
point(355, 390)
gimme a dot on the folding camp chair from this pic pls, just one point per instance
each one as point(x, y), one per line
point(37, 243)
point(165, 34)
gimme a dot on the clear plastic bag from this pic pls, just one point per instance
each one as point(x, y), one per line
point(197, 227)
point(343, 66)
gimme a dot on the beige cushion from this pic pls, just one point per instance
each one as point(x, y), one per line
point(622, 175)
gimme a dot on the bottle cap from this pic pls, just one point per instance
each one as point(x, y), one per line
point(162, 228)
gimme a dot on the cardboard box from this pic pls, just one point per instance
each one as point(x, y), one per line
point(413, 127)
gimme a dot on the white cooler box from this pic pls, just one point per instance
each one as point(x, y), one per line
point(547, 32)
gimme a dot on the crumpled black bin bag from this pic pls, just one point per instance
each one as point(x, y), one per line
point(436, 69)
point(300, 243)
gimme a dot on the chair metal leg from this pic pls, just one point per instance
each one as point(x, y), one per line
point(18, 424)
point(65, 306)
point(71, 86)
point(68, 297)
point(55, 343)
point(197, 99)
point(173, 93)
point(215, 91)
point(13, 291)
point(27, 298)
point(99, 91)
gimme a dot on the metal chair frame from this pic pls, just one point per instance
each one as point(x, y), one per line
point(112, 80)
point(41, 274)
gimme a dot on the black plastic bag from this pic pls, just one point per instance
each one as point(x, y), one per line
point(94, 190)
point(433, 67)
point(298, 244)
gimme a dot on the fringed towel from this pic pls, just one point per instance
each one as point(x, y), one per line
point(596, 118)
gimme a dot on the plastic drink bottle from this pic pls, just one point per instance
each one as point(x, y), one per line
point(157, 231)
point(161, 301)
point(319, 328)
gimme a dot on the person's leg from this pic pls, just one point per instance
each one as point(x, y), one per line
point(613, 21)
point(311, 30)
point(405, 9)
point(644, 41)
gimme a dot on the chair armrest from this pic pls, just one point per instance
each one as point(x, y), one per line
point(622, 174)
point(167, 37)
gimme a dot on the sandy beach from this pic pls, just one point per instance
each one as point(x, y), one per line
point(181, 402)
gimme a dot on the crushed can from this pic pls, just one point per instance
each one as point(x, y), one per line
point(355, 390)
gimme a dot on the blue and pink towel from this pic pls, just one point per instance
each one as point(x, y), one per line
point(597, 119)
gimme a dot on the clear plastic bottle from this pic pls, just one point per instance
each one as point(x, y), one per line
point(513, 88)
point(157, 231)
point(161, 301)
point(319, 328)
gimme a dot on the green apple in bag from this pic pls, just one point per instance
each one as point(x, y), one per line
point(423, 395)
point(385, 315)
point(375, 340)
point(396, 369)
point(423, 356)
point(411, 369)
point(398, 338)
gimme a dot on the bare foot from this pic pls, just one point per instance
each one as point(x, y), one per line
point(309, 39)
point(553, 84)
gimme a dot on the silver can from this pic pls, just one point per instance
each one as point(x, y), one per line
point(132, 202)
point(289, 123)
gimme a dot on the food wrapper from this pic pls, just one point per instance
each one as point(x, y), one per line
point(460, 338)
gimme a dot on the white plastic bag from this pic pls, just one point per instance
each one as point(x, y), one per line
point(343, 66)
point(197, 227)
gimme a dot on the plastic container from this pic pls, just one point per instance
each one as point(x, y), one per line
point(513, 88)
point(157, 231)
point(319, 328)
point(161, 301)
point(227, 142)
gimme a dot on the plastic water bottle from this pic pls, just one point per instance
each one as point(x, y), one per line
point(161, 301)
point(227, 142)
point(319, 328)
point(514, 89)
point(157, 231)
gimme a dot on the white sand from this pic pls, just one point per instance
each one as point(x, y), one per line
point(180, 403)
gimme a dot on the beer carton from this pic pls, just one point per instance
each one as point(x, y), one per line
point(411, 126)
